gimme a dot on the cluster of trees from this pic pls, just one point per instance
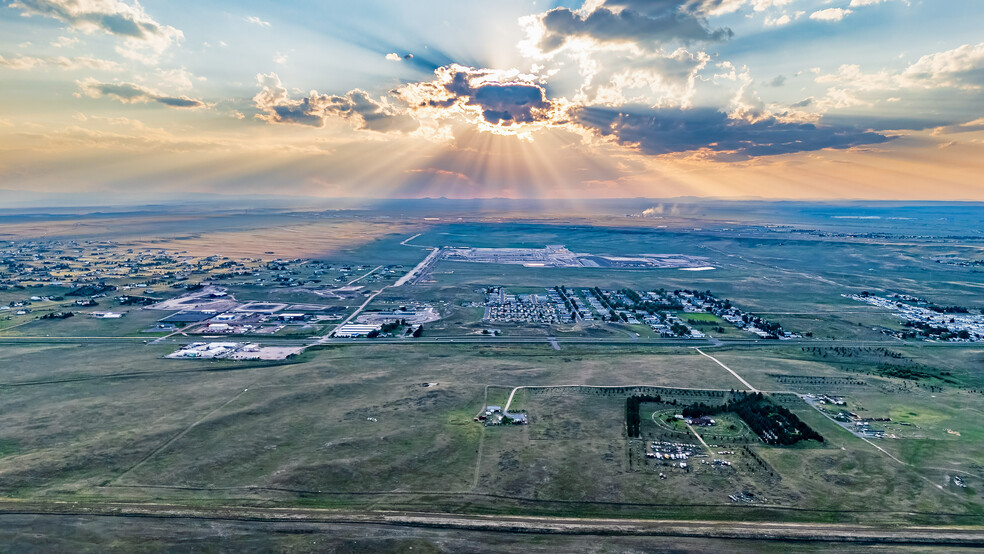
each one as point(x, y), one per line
point(850, 352)
point(929, 330)
point(774, 329)
point(605, 301)
point(706, 296)
point(948, 309)
point(912, 372)
point(58, 315)
point(679, 329)
point(392, 326)
point(649, 306)
point(774, 424)
point(569, 302)
point(90, 290)
point(929, 306)
point(615, 316)
point(632, 295)
point(632, 417)
point(813, 380)
point(718, 307)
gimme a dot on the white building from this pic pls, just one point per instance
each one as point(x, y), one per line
point(355, 330)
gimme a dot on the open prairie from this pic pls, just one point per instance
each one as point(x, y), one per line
point(94, 414)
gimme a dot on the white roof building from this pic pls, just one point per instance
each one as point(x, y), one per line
point(355, 330)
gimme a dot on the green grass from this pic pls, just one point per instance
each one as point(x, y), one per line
point(701, 318)
point(305, 426)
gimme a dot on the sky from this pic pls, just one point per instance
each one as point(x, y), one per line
point(798, 99)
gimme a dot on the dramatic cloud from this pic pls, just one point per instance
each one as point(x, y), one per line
point(641, 23)
point(714, 134)
point(59, 62)
point(145, 39)
point(625, 51)
point(510, 102)
point(129, 93)
point(355, 106)
point(495, 100)
point(658, 78)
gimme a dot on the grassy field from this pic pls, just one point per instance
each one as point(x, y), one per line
point(140, 534)
point(340, 426)
point(377, 426)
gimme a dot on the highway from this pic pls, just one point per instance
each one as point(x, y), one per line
point(484, 340)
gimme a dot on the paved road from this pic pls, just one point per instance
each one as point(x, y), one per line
point(482, 339)
point(361, 277)
point(419, 269)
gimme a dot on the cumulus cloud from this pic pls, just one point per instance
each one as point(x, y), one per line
point(641, 23)
point(59, 62)
point(144, 39)
point(779, 21)
point(257, 21)
point(394, 57)
point(961, 68)
point(830, 14)
point(495, 100)
point(315, 109)
point(129, 93)
point(663, 79)
point(668, 131)
point(719, 7)
point(511, 102)
point(177, 79)
point(626, 50)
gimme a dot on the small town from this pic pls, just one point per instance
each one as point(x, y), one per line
point(924, 319)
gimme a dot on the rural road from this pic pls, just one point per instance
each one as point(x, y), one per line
point(731, 371)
